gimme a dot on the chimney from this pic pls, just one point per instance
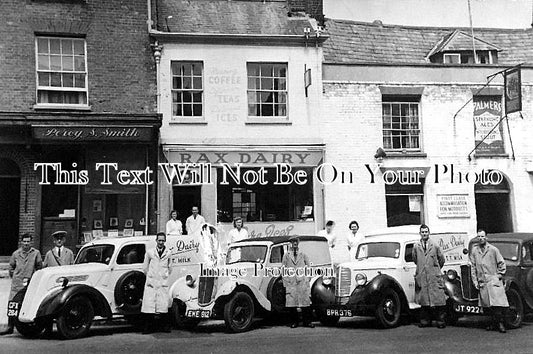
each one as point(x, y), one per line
point(313, 8)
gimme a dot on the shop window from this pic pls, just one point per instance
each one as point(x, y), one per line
point(267, 90)
point(61, 71)
point(401, 123)
point(268, 202)
point(187, 89)
point(405, 204)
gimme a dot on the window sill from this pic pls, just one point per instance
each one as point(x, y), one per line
point(63, 107)
point(400, 154)
point(267, 121)
point(181, 120)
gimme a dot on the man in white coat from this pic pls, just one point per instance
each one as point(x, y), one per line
point(156, 299)
point(194, 223)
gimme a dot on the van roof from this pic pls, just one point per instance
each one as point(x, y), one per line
point(408, 230)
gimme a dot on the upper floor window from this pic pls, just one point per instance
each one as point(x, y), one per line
point(187, 89)
point(61, 71)
point(467, 57)
point(401, 123)
point(267, 90)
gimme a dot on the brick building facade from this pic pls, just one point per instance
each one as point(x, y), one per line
point(74, 76)
point(412, 100)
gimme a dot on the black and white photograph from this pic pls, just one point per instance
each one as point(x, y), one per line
point(266, 176)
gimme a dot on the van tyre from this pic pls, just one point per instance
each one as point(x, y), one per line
point(29, 330)
point(389, 309)
point(129, 291)
point(239, 312)
point(178, 319)
point(515, 312)
point(75, 318)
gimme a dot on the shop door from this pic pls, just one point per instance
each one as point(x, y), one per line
point(493, 207)
point(9, 206)
point(185, 197)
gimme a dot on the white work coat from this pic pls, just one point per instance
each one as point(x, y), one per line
point(156, 298)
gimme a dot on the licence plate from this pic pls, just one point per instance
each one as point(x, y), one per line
point(468, 309)
point(198, 313)
point(13, 308)
point(341, 313)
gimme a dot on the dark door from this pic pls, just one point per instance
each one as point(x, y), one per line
point(185, 197)
point(493, 207)
point(9, 206)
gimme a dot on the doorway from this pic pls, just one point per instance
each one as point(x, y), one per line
point(493, 207)
point(9, 206)
point(184, 198)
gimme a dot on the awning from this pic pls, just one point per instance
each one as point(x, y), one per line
point(305, 155)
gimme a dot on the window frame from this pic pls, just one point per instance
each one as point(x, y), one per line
point(38, 87)
point(182, 117)
point(401, 100)
point(451, 55)
point(249, 91)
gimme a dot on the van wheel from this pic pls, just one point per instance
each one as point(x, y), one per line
point(76, 318)
point(177, 314)
point(239, 312)
point(129, 291)
point(515, 314)
point(389, 309)
point(29, 330)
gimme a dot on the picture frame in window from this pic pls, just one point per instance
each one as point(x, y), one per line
point(128, 224)
point(97, 205)
point(97, 224)
point(129, 232)
point(87, 237)
point(113, 222)
point(98, 234)
point(112, 233)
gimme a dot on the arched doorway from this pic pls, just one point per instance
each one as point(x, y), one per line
point(9, 206)
point(493, 206)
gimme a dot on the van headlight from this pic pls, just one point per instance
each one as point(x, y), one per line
point(189, 280)
point(360, 279)
point(451, 274)
point(327, 281)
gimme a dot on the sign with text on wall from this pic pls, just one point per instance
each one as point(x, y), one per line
point(453, 206)
point(488, 134)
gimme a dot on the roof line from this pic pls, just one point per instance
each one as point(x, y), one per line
point(451, 28)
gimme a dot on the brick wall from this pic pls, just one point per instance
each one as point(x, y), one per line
point(121, 70)
point(352, 131)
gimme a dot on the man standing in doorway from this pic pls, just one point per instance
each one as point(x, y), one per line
point(156, 299)
point(58, 255)
point(23, 263)
point(488, 269)
point(194, 223)
point(429, 285)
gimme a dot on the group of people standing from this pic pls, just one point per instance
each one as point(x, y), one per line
point(193, 224)
point(487, 267)
point(342, 245)
point(27, 260)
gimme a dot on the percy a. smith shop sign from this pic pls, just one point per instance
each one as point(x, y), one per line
point(84, 133)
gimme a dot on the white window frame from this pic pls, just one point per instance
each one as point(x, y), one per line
point(251, 91)
point(190, 90)
point(391, 128)
point(61, 88)
point(450, 55)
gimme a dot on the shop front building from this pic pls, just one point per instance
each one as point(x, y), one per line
point(81, 96)
point(241, 110)
point(429, 127)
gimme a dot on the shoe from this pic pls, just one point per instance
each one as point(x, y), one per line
point(441, 325)
point(294, 325)
point(501, 328)
point(8, 330)
point(310, 325)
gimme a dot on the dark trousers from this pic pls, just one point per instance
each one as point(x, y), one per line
point(497, 314)
point(427, 313)
point(307, 315)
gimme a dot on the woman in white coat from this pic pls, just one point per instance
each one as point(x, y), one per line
point(156, 299)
